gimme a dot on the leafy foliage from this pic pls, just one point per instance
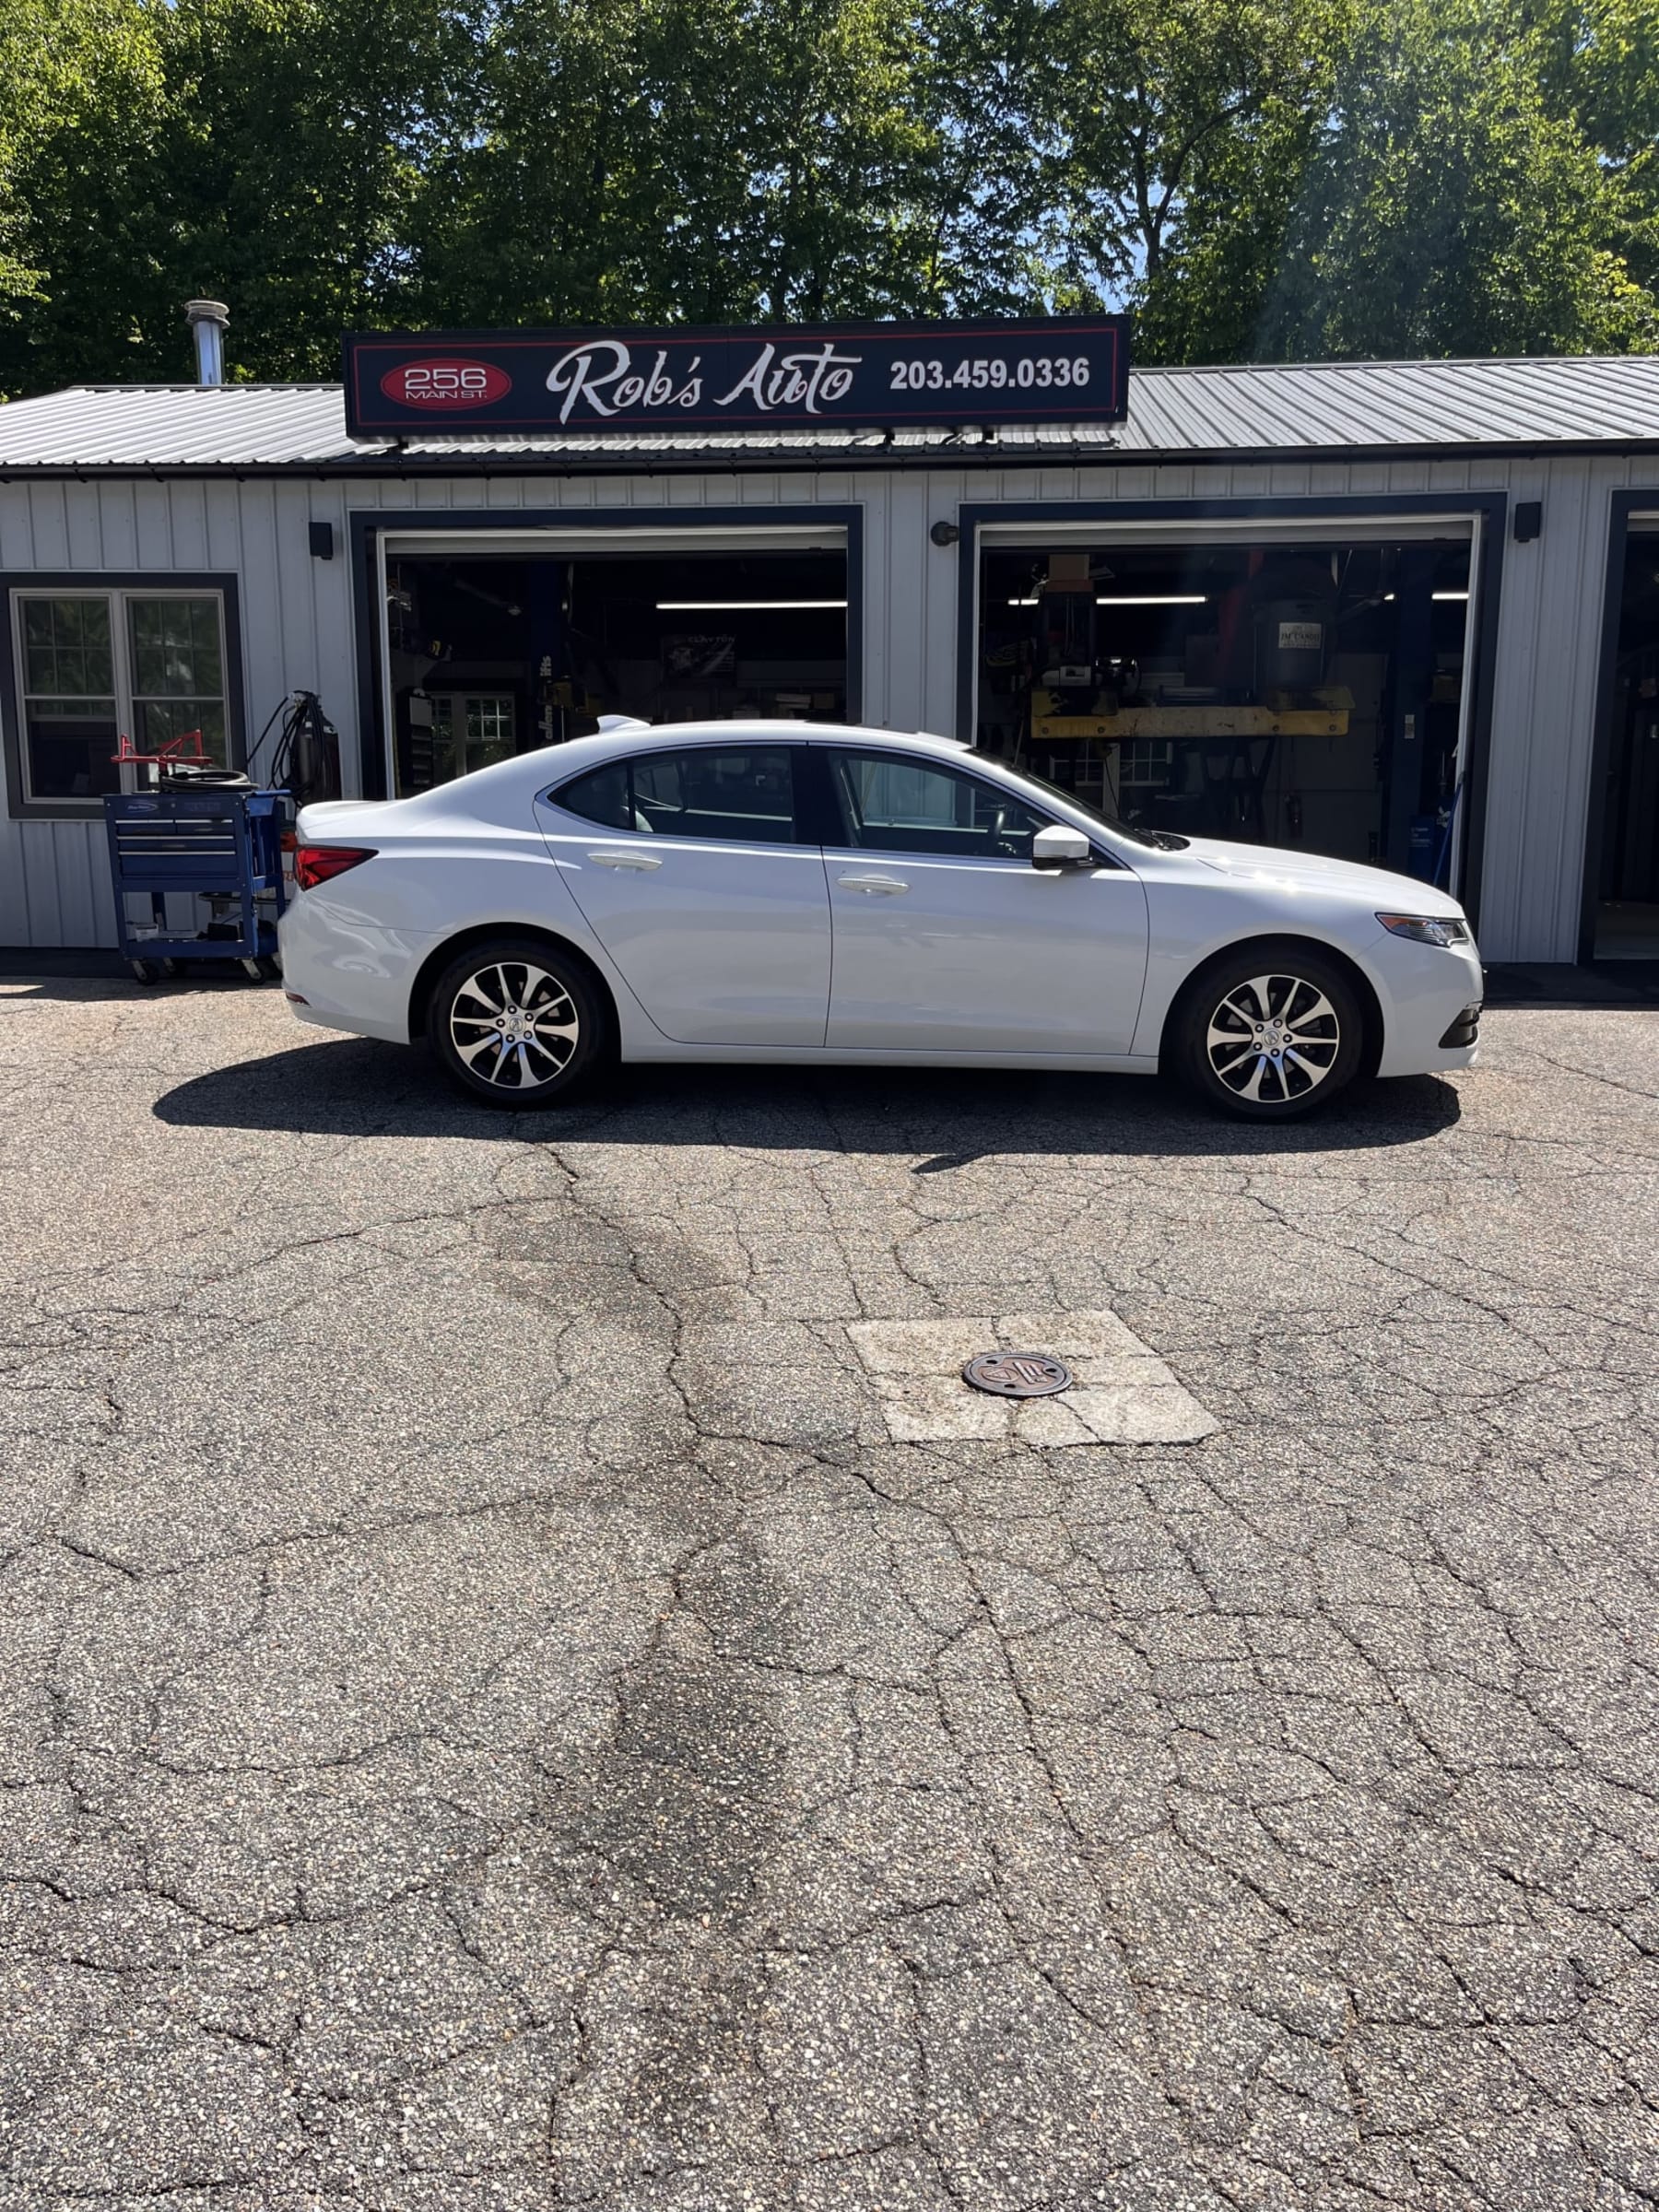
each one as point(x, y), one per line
point(1256, 178)
point(1447, 209)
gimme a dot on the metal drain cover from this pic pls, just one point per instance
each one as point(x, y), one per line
point(1017, 1374)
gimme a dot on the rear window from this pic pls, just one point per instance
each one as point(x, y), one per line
point(599, 797)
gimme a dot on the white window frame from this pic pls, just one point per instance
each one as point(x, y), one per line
point(116, 596)
point(458, 705)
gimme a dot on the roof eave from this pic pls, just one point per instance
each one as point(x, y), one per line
point(820, 461)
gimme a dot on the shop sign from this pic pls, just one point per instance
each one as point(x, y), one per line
point(842, 375)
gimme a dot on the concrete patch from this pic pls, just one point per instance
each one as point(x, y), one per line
point(1124, 1394)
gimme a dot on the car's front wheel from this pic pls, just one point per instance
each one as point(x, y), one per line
point(516, 1022)
point(1271, 1032)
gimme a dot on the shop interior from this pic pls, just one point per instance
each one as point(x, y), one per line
point(1627, 908)
point(1305, 694)
point(492, 656)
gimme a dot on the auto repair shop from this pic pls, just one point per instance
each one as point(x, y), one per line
point(1406, 612)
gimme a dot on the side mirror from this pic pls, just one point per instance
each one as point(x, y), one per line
point(1059, 847)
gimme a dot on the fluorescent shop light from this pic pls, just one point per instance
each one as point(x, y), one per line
point(738, 606)
point(1449, 594)
point(1130, 599)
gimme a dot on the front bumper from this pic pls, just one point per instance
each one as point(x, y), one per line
point(1431, 997)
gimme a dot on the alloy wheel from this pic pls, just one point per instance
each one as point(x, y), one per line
point(515, 1026)
point(1274, 1039)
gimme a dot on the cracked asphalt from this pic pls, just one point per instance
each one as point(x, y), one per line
point(490, 1720)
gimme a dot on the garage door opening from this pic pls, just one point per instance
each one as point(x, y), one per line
point(1285, 693)
point(1627, 891)
point(492, 655)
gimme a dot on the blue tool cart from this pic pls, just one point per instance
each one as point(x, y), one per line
point(220, 846)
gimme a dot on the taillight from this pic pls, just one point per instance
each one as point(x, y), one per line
point(315, 864)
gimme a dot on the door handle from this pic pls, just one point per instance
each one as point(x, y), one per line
point(625, 860)
point(878, 887)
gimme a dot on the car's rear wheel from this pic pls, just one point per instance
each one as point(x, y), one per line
point(516, 1022)
point(1270, 1033)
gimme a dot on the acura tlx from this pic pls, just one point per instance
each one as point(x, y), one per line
point(793, 891)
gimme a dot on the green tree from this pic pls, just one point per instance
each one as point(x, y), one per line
point(1254, 177)
point(1601, 64)
point(1446, 209)
point(82, 105)
point(713, 159)
point(300, 138)
point(263, 152)
point(1171, 114)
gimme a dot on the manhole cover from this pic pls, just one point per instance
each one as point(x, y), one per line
point(1017, 1374)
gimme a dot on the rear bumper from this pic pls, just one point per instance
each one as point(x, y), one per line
point(342, 970)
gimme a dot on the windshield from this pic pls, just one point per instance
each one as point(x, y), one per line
point(1162, 840)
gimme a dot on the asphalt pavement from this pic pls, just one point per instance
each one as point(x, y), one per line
point(498, 1711)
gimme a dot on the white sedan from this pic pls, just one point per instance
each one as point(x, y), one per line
point(787, 891)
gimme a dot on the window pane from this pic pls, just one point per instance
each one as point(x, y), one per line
point(161, 719)
point(893, 805)
point(66, 648)
point(488, 731)
point(599, 797)
point(489, 721)
point(741, 793)
point(175, 648)
point(69, 743)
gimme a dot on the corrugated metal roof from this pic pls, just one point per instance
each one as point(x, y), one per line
point(1324, 408)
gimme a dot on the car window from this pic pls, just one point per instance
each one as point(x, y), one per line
point(723, 792)
point(599, 797)
point(891, 804)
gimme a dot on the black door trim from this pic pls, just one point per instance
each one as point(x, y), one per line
point(1624, 505)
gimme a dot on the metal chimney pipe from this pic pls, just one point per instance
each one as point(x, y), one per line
point(208, 319)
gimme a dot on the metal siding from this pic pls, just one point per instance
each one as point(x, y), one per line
point(1529, 694)
point(83, 513)
point(265, 552)
point(937, 628)
point(297, 621)
point(893, 570)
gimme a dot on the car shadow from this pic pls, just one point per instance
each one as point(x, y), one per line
point(92, 990)
point(949, 1117)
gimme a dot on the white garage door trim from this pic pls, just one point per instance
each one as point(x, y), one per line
point(710, 537)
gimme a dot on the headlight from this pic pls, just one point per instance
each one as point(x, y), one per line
point(1427, 929)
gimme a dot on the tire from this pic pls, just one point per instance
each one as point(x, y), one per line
point(1270, 1033)
point(516, 1023)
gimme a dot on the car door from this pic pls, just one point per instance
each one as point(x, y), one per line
point(686, 867)
point(947, 939)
